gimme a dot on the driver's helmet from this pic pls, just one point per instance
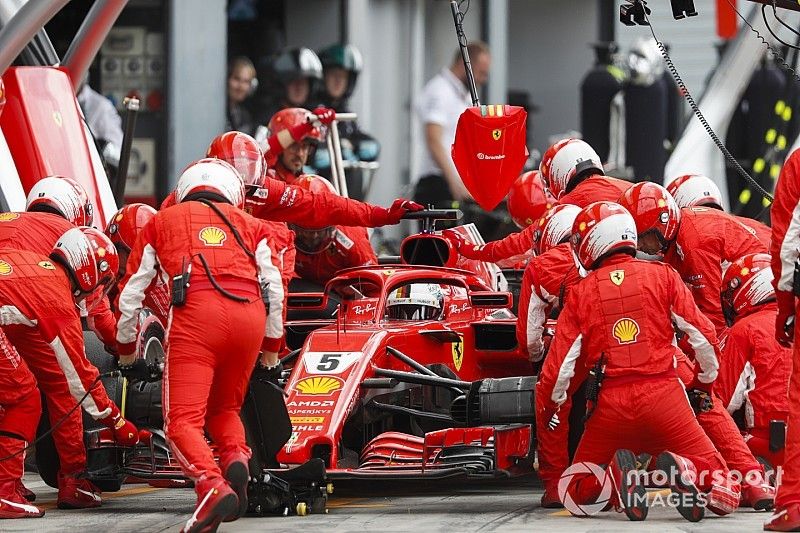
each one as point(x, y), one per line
point(416, 301)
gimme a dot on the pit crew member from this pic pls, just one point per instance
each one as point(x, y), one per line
point(215, 256)
point(698, 242)
point(617, 325)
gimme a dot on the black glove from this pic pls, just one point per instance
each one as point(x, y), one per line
point(268, 375)
point(700, 401)
point(136, 371)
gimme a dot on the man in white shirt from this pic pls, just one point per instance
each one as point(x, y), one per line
point(443, 100)
point(104, 122)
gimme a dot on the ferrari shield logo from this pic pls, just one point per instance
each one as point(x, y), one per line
point(617, 277)
point(458, 352)
point(496, 134)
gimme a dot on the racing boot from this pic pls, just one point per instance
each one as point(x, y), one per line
point(723, 498)
point(12, 505)
point(630, 496)
point(123, 431)
point(757, 493)
point(24, 491)
point(234, 469)
point(77, 493)
point(215, 501)
point(550, 499)
point(784, 519)
point(682, 474)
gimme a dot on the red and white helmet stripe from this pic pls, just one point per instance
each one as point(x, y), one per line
point(212, 176)
point(63, 195)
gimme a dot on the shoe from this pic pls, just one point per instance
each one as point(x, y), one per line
point(77, 493)
point(550, 499)
point(630, 496)
point(12, 505)
point(724, 499)
point(237, 474)
point(215, 501)
point(784, 519)
point(759, 496)
point(643, 461)
point(25, 492)
point(681, 474)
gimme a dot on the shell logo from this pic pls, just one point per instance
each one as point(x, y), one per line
point(318, 385)
point(625, 330)
point(5, 217)
point(5, 268)
point(212, 236)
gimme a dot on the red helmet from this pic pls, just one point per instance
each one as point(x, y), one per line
point(554, 227)
point(600, 229)
point(243, 153)
point(747, 283)
point(572, 160)
point(653, 209)
point(547, 159)
point(313, 241)
point(126, 224)
point(89, 257)
point(694, 190)
point(528, 199)
point(211, 178)
point(62, 196)
point(290, 117)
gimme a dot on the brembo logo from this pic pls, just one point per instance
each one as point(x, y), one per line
point(483, 156)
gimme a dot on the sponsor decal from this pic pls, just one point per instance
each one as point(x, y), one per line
point(625, 330)
point(482, 156)
point(362, 310)
point(307, 419)
point(5, 268)
point(46, 264)
point(329, 362)
point(212, 236)
point(496, 134)
point(617, 277)
point(318, 385)
point(457, 348)
point(5, 217)
point(58, 119)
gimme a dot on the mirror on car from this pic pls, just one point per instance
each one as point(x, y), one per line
point(307, 301)
point(491, 300)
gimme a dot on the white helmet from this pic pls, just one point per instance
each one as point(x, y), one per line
point(211, 178)
point(572, 160)
point(554, 227)
point(693, 190)
point(62, 196)
point(601, 229)
point(416, 301)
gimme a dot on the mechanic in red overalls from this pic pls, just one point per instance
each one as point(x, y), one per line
point(617, 324)
point(20, 409)
point(216, 258)
point(528, 200)
point(574, 174)
point(695, 190)
point(756, 369)
point(698, 242)
point(785, 248)
point(321, 253)
point(41, 320)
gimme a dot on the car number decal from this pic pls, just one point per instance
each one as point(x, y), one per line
point(329, 362)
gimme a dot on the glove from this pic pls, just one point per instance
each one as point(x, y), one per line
point(554, 421)
point(266, 374)
point(455, 238)
point(700, 400)
point(125, 433)
point(135, 371)
point(325, 115)
point(382, 216)
point(784, 322)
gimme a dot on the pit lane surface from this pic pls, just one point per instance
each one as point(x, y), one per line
point(458, 506)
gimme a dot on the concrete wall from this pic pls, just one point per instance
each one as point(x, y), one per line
point(549, 54)
point(197, 73)
point(303, 27)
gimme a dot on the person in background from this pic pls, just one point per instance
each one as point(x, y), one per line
point(104, 122)
point(294, 75)
point(440, 105)
point(242, 83)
